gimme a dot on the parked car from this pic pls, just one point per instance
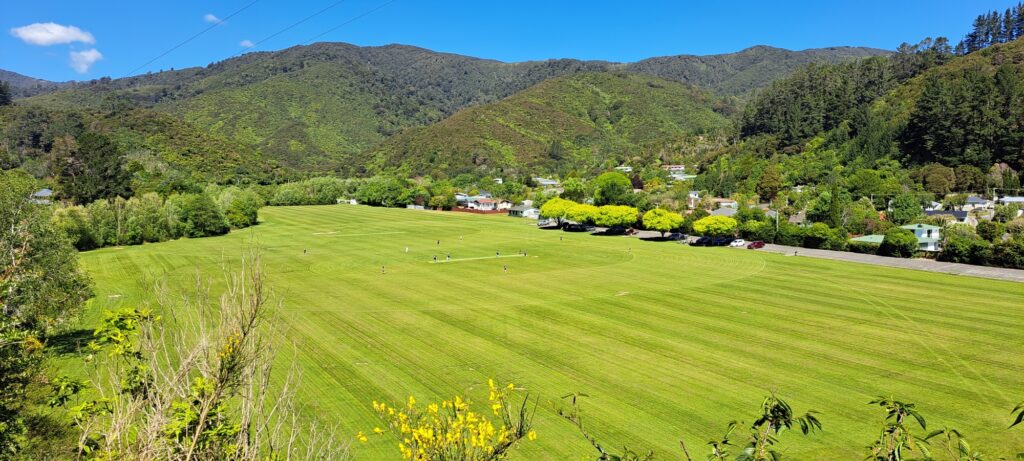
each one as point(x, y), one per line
point(701, 242)
point(616, 230)
point(721, 241)
point(738, 243)
point(632, 231)
point(545, 222)
point(755, 245)
point(577, 227)
point(676, 236)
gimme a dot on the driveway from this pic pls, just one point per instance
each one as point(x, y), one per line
point(997, 273)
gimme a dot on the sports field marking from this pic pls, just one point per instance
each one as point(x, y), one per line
point(335, 234)
point(439, 261)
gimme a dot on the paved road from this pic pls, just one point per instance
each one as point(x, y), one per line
point(998, 273)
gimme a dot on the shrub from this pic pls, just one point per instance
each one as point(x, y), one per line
point(789, 234)
point(387, 192)
point(898, 242)
point(990, 230)
point(199, 216)
point(662, 220)
point(74, 222)
point(1009, 254)
point(241, 206)
point(758, 230)
point(863, 247)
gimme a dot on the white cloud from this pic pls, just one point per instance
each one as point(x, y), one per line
point(210, 18)
point(81, 61)
point(49, 33)
point(247, 43)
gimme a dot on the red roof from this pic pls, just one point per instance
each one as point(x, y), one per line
point(485, 200)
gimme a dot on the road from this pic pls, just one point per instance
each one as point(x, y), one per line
point(997, 273)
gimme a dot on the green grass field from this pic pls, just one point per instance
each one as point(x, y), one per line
point(669, 341)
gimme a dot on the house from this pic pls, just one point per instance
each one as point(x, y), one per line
point(724, 211)
point(624, 169)
point(933, 206)
point(875, 239)
point(484, 194)
point(682, 177)
point(724, 203)
point(928, 236)
point(693, 198)
point(958, 216)
point(461, 199)
point(977, 203)
point(42, 196)
point(482, 204)
point(524, 211)
point(674, 168)
point(504, 205)
point(799, 219)
point(499, 181)
point(547, 183)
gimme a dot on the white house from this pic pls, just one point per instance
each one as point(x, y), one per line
point(724, 203)
point(693, 198)
point(1009, 199)
point(483, 204)
point(624, 169)
point(928, 236)
point(674, 168)
point(504, 205)
point(524, 211)
point(546, 183)
point(977, 203)
point(42, 196)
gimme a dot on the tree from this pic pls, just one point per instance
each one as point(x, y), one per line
point(41, 289)
point(662, 220)
point(581, 213)
point(241, 206)
point(770, 183)
point(937, 179)
point(612, 188)
point(5, 94)
point(95, 172)
point(905, 208)
point(1004, 213)
point(898, 242)
point(556, 208)
point(574, 189)
point(380, 191)
point(715, 226)
point(199, 216)
point(615, 215)
point(990, 230)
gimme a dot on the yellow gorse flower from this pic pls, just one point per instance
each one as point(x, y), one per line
point(451, 430)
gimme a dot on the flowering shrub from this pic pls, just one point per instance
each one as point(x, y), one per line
point(452, 431)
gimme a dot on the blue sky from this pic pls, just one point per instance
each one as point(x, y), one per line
point(113, 38)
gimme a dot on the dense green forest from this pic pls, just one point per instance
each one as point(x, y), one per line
point(320, 108)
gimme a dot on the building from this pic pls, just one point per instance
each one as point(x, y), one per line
point(483, 204)
point(499, 181)
point(504, 205)
point(928, 236)
point(682, 177)
point(42, 196)
point(547, 183)
point(725, 211)
point(624, 169)
point(958, 216)
point(874, 239)
point(724, 203)
point(799, 219)
point(524, 211)
point(977, 203)
point(693, 198)
point(1009, 199)
point(674, 168)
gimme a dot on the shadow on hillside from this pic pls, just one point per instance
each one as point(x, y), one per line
point(69, 342)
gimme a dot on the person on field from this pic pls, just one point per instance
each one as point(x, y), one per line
point(506, 268)
point(406, 249)
point(449, 257)
point(381, 269)
point(438, 243)
point(435, 258)
point(497, 254)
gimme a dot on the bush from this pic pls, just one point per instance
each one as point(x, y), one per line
point(898, 242)
point(74, 222)
point(145, 219)
point(990, 230)
point(789, 234)
point(241, 206)
point(862, 247)
point(758, 230)
point(387, 192)
point(715, 226)
point(967, 250)
point(199, 216)
point(1009, 254)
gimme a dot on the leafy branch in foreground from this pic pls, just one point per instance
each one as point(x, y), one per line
point(776, 417)
point(194, 388)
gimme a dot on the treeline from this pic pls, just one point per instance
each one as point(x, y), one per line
point(151, 218)
point(992, 28)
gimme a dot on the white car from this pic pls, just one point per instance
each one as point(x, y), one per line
point(738, 243)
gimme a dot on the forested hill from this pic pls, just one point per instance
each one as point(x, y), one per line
point(582, 121)
point(737, 74)
point(314, 107)
point(23, 86)
point(920, 106)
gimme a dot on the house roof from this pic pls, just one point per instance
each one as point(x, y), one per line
point(1009, 199)
point(798, 218)
point(522, 208)
point(958, 214)
point(873, 238)
point(43, 193)
point(974, 199)
point(485, 200)
point(724, 212)
point(921, 226)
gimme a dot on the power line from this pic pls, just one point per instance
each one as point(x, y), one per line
point(366, 13)
point(289, 27)
point(183, 43)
